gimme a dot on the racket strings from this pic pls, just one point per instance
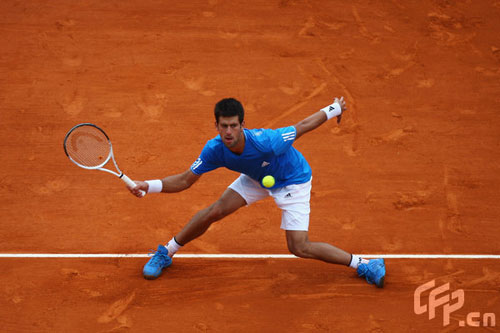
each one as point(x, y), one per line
point(88, 146)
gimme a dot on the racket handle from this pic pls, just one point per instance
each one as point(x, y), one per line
point(130, 183)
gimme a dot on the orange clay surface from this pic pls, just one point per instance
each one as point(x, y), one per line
point(412, 169)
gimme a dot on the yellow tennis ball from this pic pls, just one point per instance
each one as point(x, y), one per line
point(268, 181)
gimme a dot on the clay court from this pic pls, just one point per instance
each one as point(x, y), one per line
point(413, 169)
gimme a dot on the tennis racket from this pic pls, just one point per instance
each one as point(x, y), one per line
point(89, 147)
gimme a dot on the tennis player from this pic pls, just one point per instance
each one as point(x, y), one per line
point(255, 153)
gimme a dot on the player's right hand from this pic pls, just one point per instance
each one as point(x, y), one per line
point(139, 186)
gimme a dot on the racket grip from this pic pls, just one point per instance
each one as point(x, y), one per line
point(130, 183)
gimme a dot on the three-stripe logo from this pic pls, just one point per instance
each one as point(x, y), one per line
point(196, 164)
point(288, 136)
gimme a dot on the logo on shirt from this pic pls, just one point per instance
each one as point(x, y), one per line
point(196, 164)
point(264, 164)
point(288, 195)
point(288, 136)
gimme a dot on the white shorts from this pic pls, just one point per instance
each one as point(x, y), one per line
point(293, 200)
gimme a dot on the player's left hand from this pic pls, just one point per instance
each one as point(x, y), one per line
point(341, 102)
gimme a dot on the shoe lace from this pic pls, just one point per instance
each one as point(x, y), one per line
point(371, 273)
point(362, 269)
point(157, 257)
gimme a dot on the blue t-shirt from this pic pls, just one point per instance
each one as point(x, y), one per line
point(266, 152)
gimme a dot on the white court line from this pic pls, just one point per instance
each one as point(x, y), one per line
point(244, 256)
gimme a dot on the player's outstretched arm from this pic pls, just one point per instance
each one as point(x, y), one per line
point(316, 119)
point(170, 184)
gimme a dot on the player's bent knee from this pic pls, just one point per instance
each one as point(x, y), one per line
point(299, 253)
point(217, 212)
point(298, 249)
point(214, 213)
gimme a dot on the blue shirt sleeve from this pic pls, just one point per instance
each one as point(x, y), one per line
point(206, 162)
point(281, 139)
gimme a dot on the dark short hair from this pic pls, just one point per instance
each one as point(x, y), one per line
point(229, 107)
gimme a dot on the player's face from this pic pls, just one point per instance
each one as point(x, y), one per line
point(230, 131)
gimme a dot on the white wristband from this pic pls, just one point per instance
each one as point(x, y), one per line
point(155, 186)
point(332, 110)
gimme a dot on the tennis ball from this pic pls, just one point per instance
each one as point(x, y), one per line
point(268, 181)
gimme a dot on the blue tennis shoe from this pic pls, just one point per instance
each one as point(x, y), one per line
point(374, 272)
point(157, 263)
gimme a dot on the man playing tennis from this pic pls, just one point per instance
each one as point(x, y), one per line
point(256, 153)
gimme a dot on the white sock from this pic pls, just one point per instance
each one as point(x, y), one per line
point(356, 261)
point(172, 247)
